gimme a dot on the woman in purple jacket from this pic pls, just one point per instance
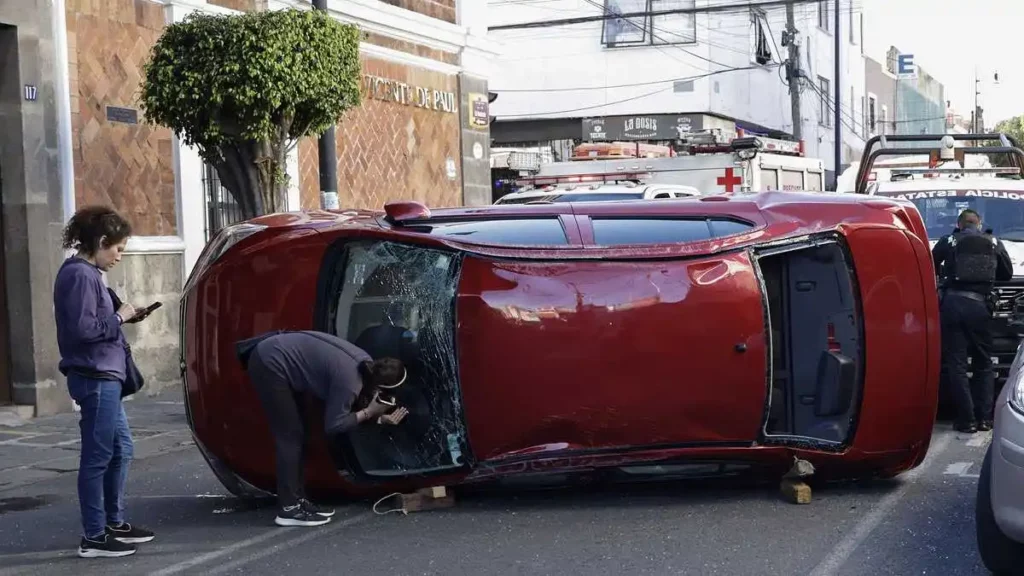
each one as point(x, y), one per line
point(92, 350)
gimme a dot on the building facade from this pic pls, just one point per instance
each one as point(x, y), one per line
point(904, 105)
point(681, 72)
point(74, 135)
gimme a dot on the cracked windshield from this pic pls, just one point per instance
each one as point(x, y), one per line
point(506, 287)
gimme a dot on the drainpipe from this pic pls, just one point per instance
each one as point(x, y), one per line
point(62, 89)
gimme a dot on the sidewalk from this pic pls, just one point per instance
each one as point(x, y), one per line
point(39, 449)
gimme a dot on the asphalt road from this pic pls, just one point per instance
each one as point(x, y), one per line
point(921, 523)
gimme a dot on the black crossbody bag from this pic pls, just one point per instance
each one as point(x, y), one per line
point(133, 379)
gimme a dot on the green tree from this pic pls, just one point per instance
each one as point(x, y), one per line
point(1014, 128)
point(243, 89)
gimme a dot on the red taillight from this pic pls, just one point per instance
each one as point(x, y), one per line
point(833, 345)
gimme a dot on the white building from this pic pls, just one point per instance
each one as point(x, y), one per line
point(699, 70)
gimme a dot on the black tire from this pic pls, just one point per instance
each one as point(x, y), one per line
point(1000, 554)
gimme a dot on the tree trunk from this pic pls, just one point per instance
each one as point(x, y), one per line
point(254, 174)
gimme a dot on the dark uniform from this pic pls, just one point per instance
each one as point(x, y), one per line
point(283, 366)
point(968, 263)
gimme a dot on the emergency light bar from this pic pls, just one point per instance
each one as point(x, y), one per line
point(954, 170)
point(539, 181)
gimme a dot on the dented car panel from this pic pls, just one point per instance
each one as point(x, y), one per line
point(678, 337)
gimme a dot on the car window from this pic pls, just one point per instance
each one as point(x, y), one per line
point(723, 227)
point(513, 231)
point(632, 231)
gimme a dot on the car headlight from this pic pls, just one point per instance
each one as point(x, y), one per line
point(1016, 380)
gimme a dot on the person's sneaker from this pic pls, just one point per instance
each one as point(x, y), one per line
point(315, 509)
point(297, 516)
point(130, 534)
point(985, 425)
point(966, 428)
point(104, 547)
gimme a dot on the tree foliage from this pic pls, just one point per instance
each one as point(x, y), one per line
point(1014, 128)
point(244, 88)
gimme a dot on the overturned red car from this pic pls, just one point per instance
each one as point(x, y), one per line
point(632, 338)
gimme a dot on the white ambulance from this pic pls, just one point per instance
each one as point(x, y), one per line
point(706, 162)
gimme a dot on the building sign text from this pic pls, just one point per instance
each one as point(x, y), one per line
point(389, 90)
point(640, 127)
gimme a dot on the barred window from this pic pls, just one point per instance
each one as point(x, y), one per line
point(221, 208)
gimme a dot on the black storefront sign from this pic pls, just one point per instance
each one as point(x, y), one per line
point(640, 127)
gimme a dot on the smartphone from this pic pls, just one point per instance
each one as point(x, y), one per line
point(142, 314)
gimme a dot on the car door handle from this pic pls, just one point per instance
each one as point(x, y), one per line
point(741, 347)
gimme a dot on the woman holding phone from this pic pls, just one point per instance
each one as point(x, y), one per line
point(93, 357)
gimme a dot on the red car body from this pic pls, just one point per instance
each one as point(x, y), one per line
point(649, 338)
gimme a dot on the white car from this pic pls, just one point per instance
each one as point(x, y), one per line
point(999, 510)
point(599, 192)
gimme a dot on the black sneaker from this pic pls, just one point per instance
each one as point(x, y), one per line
point(130, 534)
point(315, 509)
point(104, 547)
point(966, 427)
point(297, 516)
point(985, 425)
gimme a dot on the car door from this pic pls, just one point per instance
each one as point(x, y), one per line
point(624, 348)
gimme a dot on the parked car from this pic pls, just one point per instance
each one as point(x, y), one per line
point(632, 339)
point(598, 192)
point(999, 510)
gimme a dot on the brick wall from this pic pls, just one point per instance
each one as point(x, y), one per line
point(389, 151)
point(440, 9)
point(128, 166)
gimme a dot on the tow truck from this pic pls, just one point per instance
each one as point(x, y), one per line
point(706, 161)
point(948, 182)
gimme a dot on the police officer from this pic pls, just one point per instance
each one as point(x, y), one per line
point(969, 262)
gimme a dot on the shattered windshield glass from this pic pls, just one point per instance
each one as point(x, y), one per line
point(398, 301)
point(1001, 211)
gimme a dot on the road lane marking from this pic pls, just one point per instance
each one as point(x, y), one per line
point(287, 544)
point(957, 468)
point(255, 540)
point(834, 561)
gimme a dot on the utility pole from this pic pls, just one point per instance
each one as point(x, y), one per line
point(839, 95)
point(794, 73)
point(977, 92)
point(327, 153)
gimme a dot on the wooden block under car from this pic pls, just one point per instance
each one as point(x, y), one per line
point(433, 498)
point(795, 491)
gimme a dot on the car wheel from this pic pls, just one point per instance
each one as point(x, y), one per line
point(1000, 554)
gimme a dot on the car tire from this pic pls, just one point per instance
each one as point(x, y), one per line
point(1000, 554)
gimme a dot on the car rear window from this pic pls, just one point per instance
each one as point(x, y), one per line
point(515, 231)
point(630, 231)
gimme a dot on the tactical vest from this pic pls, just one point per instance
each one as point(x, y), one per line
point(974, 258)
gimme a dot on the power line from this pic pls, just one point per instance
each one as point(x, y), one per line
point(733, 6)
point(624, 100)
point(631, 84)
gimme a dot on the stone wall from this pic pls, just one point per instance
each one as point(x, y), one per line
point(127, 165)
point(389, 150)
point(143, 279)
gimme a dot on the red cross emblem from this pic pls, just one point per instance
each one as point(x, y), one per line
point(729, 180)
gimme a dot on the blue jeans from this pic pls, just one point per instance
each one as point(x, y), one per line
point(107, 449)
